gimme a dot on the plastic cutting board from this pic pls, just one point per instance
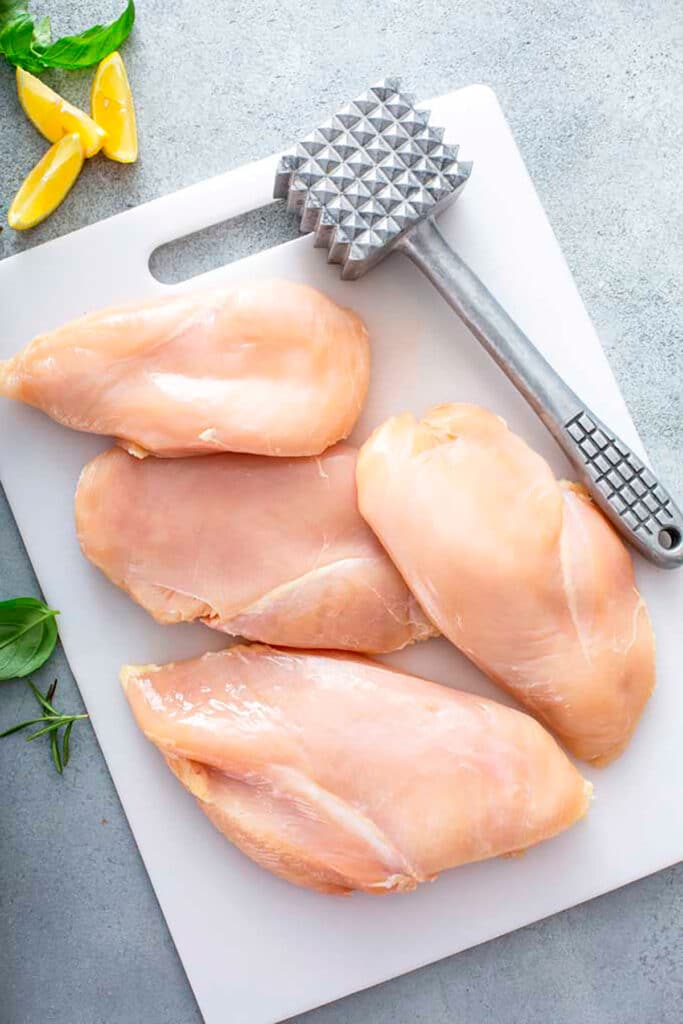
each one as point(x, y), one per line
point(256, 949)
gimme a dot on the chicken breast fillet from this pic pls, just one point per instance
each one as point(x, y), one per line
point(268, 549)
point(520, 571)
point(337, 773)
point(268, 367)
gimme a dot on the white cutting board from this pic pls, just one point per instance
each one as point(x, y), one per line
point(256, 949)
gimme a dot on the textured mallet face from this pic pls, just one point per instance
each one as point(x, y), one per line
point(368, 175)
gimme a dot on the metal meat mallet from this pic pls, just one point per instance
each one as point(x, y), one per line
point(370, 181)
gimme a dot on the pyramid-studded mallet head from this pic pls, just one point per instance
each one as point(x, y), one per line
point(369, 175)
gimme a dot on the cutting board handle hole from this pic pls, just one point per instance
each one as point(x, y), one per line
point(216, 246)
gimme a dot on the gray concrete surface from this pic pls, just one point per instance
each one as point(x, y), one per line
point(594, 92)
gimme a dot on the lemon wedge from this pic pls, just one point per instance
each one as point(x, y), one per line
point(111, 105)
point(47, 184)
point(53, 116)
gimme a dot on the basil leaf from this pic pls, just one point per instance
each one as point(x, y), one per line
point(42, 33)
point(17, 35)
point(11, 9)
point(92, 46)
point(28, 634)
point(28, 45)
point(17, 44)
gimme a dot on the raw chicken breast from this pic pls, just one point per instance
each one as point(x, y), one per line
point(520, 571)
point(337, 773)
point(268, 549)
point(269, 367)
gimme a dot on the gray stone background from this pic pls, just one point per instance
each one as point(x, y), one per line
point(594, 93)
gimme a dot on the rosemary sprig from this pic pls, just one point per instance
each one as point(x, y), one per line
point(52, 721)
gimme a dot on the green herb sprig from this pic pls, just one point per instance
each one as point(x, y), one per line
point(28, 44)
point(52, 721)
